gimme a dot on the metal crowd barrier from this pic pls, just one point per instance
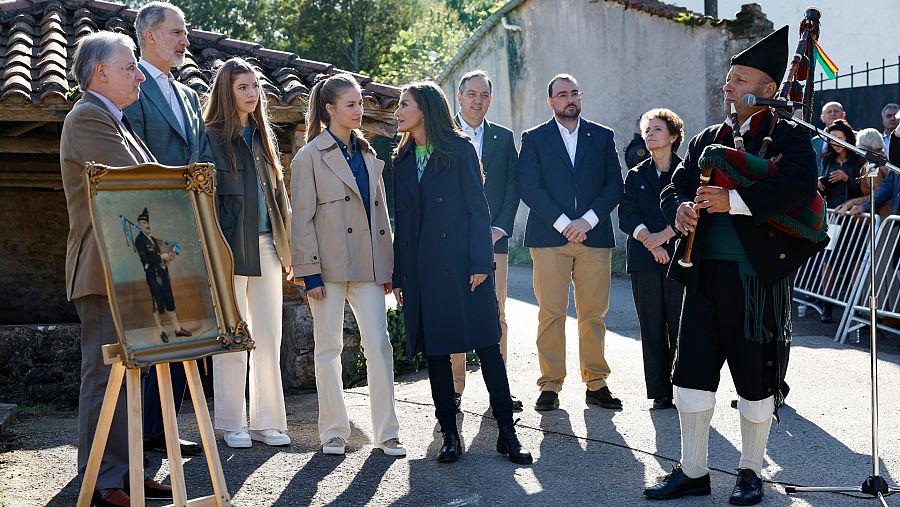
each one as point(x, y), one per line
point(834, 275)
point(887, 284)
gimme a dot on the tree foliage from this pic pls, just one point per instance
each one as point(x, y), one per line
point(394, 41)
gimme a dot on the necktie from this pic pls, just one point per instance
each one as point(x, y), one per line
point(137, 141)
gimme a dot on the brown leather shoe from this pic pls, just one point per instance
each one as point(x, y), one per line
point(602, 397)
point(156, 491)
point(110, 498)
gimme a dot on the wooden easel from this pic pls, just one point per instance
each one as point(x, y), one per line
point(112, 356)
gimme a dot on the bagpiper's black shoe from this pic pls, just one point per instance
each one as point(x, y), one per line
point(677, 484)
point(451, 449)
point(517, 404)
point(164, 337)
point(182, 332)
point(508, 445)
point(748, 490)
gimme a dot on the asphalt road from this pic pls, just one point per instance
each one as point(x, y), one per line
point(583, 455)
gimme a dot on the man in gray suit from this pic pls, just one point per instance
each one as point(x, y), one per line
point(97, 130)
point(167, 117)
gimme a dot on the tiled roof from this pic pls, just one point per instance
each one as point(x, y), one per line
point(38, 37)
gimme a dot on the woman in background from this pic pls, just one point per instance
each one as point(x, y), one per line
point(255, 217)
point(649, 250)
point(443, 261)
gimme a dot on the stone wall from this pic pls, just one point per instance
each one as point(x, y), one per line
point(33, 251)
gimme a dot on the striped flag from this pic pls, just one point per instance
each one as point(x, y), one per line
point(826, 62)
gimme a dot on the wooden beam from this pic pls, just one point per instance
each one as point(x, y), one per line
point(29, 144)
point(20, 128)
point(31, 180)
point(56, 113)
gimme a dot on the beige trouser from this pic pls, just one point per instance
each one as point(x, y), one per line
point(259, 300)
point(458, 361)
point(367, 302)
point(589, 269)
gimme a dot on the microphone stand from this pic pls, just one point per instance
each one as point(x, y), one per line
point(874, 485)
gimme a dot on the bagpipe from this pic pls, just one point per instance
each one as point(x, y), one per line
point(740, 169)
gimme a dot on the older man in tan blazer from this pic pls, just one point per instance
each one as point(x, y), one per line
point(96, 130)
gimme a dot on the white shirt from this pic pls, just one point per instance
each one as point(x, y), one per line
point(570, 140)
point(475, 134)
point(166, 81)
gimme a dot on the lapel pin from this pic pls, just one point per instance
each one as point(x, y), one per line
point(589, 134)
point(495, 137)
point(642, 187)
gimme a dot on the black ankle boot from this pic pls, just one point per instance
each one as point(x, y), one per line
point(451, 448)
point(508, 444)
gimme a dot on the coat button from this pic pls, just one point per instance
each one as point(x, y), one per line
point(346, 197)
point(443, 235)
point(771, 234)
point(781, 256)
point(315, 258)
point(439, 199)
point(381, 232)
point(376, 203)
point(769, 363)
point(349, 229)
point(769, 390)
point(404, 277)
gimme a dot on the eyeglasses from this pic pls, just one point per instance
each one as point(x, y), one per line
point(566, 95)
point(130, 69)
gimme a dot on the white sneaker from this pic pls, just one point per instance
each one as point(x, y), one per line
point(237, 439)
point(334, 445)
point(270, 437)
point(392, 447)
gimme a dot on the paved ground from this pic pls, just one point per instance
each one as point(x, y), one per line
point(586, 456)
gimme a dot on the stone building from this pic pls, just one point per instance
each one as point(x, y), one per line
point(628, 55)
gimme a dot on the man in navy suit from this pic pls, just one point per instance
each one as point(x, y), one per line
point(167, 117)
point(497, 152)
point(570, 178)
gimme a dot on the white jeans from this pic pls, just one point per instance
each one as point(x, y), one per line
point(367, 302)
point(259, 300)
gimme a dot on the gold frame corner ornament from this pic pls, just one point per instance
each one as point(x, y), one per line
point(200, 178)
point(95, 172)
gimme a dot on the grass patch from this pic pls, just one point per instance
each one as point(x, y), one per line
point(40, 410)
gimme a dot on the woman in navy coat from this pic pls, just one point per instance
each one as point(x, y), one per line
point(650, 248)
point(443, 261)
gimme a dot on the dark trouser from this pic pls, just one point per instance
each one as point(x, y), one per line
point(153, 423)
point(494, 371)
point(657, 299)
point(98, 329)
point(712, 332)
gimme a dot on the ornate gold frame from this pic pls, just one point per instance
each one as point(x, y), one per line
point(198, 181)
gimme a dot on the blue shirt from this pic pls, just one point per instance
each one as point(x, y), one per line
point(265, 223)
point(358, 166)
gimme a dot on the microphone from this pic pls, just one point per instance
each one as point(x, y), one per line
point(751, 100)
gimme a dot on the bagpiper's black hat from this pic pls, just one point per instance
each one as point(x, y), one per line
point(769, 55)
point(145, 216)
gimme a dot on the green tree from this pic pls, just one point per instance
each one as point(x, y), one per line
point(422, 50)
point(352, 34)
point(472, 13)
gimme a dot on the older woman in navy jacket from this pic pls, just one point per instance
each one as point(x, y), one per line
point(649, 251)
point(443, 265)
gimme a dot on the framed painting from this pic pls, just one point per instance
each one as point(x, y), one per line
point(169, 271)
